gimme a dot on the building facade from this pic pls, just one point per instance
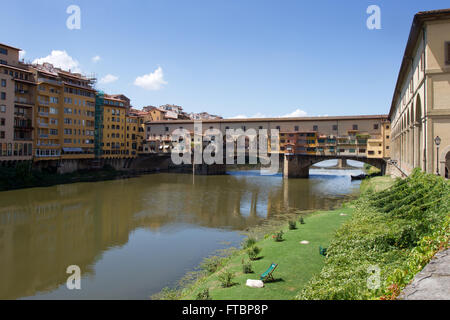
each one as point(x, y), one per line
point(64, 113)
point(17, 95)
point(340, 136)
point(420, 109)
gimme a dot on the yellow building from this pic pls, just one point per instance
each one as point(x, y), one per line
point(113, 140)
point(64, 113)
point(420, 108)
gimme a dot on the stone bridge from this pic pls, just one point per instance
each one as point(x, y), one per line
point(291, 165)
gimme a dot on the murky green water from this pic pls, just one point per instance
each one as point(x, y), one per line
point(133, 237)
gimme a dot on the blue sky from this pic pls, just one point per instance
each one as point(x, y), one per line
point(227, 57)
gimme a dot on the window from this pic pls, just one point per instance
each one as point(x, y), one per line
point(2, 134)
point(3, 96)
point(422, 61)
point(296, 128)
point(3, 83)
point(375, 126)
point(4, 51)
point(447, 52)
point(355, 127)
point(335, 127)
point(2, 121)
point(2, 108)
point(315, 128)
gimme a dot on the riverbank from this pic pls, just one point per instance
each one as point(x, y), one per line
point(23, 176)
point(385, 236)
point(297, 262)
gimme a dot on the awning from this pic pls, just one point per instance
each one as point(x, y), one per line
point(72, 150)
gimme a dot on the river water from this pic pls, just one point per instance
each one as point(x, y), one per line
point(133, 237)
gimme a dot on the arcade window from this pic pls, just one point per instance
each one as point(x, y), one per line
point(447, 52)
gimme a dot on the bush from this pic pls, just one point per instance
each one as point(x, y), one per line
point(278, 236)
point(226, 279)
point(249, 242)
point(211, 264)
point(292, 225)
point(397, 230)
point(167, 294)
point(247, 267)
point(203, 295)
point(253, 252)
point(301, 220)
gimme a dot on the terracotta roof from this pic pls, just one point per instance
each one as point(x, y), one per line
point(419, 19)
point(382, 117)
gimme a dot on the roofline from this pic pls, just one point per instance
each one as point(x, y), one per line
point(419, 19)
point(11, 47)
point(357, 117)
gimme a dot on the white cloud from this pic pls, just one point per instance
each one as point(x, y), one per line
point(239, 116)
point(60, 59)
point(22, 54)
point(96, 59)
point(152, 81)
point(109, 78)
point(295, 114)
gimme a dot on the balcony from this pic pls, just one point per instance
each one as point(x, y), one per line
point(55, 82)
point(47, 144)
point(43, 136)
point(23, 124)
point(43, 114)
point(43, 102)
point(43, 125)
point(23, 101)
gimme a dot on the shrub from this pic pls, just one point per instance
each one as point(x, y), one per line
point(249, 242)
point(247, 267)
point(292, 225)
point(278, 236)
point(203, 295)
point(398, 230)
point(301, 220)
point(226, 279)
point(253, 252)
point(211, 264)
point(167, 294)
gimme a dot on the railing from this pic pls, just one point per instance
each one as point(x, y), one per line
point(49, 81)
point(23, 101)
point(46, 156)
point(43, 114)
point(43, 136)
point(47, 144)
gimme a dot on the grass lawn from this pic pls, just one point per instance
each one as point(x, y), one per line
point(377, 184)
point(296, 262)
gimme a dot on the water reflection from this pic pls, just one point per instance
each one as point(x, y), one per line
point(116, 227)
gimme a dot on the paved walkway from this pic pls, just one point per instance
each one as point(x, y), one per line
point(433, 282)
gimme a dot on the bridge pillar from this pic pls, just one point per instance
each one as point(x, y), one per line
point(295, 167)
point(342, 163)
point(210, 169)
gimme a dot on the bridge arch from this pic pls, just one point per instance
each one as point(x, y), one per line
point(297, 166)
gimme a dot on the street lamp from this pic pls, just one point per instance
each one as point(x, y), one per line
point(437, 140)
